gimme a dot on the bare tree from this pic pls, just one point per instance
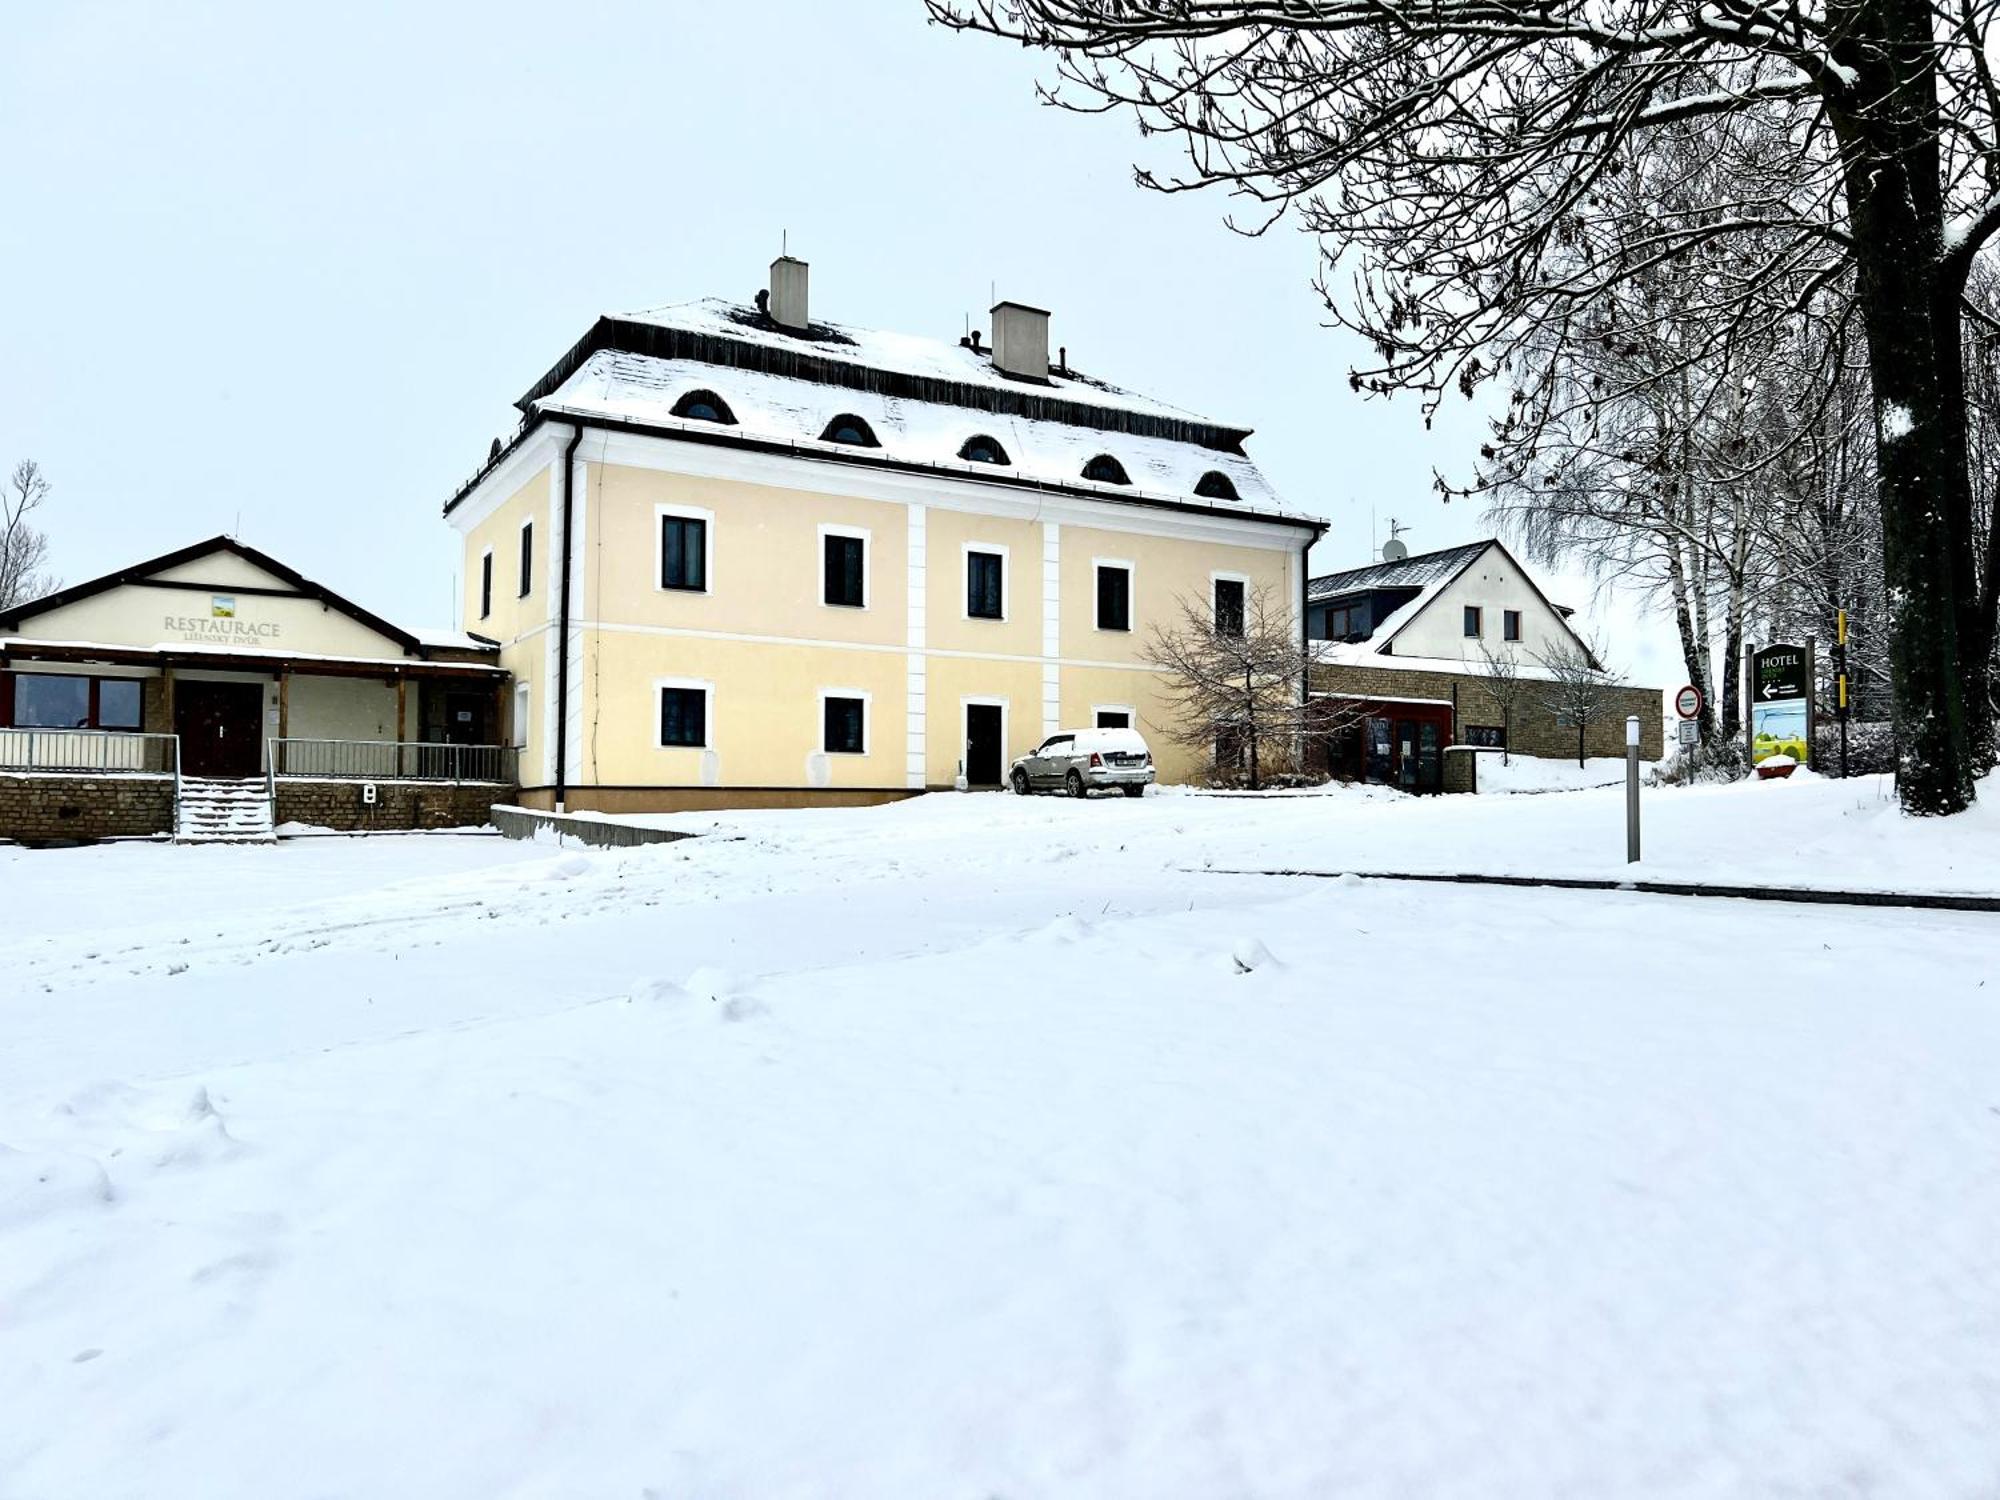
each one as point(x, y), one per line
point(1235, 682)
point(1453, 157)
point(1578, 690)
point(23, 548)
point(1499, 672)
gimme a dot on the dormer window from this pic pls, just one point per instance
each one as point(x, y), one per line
point(704, 406)
point(1215, 485)
point(851, 430)
point(983, 450)
point(1104, 469)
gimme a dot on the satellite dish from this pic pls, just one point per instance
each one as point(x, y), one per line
point(1394, 551)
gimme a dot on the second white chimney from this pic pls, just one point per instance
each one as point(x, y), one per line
point(788, 294)
point(1021, 340)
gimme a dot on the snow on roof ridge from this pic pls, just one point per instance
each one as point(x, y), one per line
point(907, 354)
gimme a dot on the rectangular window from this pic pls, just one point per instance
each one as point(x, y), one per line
point(485, 584)
point(1472, 621)
point(527, 557)
point(684, 553)
point(1114, 718)
point(844, 577)
point(118, 703)
point(520, 735)
point(1114, 597)
point(1487, 736)
point(845, 725)
point(684, 716)
point(1510, 624)
point(984, 586)
point(1229, 606)
point(51, 702)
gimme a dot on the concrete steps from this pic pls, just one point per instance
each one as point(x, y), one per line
point(224, 812)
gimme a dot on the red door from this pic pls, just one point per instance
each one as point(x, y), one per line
point(219, 723)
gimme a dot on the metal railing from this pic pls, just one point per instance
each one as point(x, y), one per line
point(390, 760)
point(91, 751)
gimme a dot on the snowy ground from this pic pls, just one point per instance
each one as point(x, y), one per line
point(985, 1147)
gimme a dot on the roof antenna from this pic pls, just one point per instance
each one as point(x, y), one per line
point(784, 242)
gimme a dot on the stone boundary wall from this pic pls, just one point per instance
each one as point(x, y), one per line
point(1534, 730)
point(398, 804)
point(525, 823)
point(44, 807)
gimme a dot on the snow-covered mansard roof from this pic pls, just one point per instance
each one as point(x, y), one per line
point(921, 400)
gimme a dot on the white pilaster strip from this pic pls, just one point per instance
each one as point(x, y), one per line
point(580, 609)
point(914, 718)
point(543, 700)
point(1051, 627)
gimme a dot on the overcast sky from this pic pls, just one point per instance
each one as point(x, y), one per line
point(281, 270)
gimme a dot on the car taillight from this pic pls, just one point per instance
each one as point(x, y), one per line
point(1096, 759)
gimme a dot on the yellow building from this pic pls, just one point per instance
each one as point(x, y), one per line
point(738, 557)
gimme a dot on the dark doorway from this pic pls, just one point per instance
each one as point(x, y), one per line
point(983, 744)
point(218, 723)
point(465, 718)
point(1419, 763)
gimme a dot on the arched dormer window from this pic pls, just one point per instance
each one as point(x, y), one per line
point(705, 406)
point(850, 429)
point(983, 450)
point(1215, 485)
point(1104, 469)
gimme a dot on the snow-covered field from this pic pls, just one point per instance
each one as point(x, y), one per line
point(985, 1147)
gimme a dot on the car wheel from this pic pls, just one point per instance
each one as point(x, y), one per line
point(1073, 784)
point(1020, 783)
point(1135, 790)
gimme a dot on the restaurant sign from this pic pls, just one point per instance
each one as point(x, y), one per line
point(222, 626)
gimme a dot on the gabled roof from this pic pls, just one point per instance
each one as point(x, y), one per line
point(1428, 572)
point(1413, 572)
point(143, 573)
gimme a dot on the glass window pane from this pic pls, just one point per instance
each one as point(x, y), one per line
point(45, 702)
point(118, 703)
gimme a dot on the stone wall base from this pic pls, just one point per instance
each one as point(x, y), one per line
point(45, 808)
point(398, 804)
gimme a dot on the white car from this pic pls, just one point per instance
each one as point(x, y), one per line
point(1080, 761)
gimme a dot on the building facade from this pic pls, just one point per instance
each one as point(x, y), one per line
point(737, 557)
point(1400, 651)
point(216, 690)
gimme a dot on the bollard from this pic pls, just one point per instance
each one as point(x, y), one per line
point(1632, 790)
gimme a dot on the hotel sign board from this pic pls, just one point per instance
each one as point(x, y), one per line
point(1781, 706)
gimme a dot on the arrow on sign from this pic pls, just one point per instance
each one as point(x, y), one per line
point(1771, 690)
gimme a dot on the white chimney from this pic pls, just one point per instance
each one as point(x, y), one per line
point(1021, 340)
point(788, 294)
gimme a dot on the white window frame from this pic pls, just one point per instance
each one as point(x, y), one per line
point(1098, 564)
point(867, 720)
point(685, 513)
point(1006, 729)
point(1131, 714)
point(707, 708)
point(867, 540)
point(1223, 575)
point(534, 557)
point(965, 550)
point(523, 701)
point(486, 584)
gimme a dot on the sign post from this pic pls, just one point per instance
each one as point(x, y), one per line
point(1632, 790)
point(1840, 683)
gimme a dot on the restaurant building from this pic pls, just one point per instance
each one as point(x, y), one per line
point(215, 692)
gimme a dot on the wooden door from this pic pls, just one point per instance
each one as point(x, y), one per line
point(220, 725)
point(982, 744)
